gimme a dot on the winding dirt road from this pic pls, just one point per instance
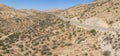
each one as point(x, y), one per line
point(76, 22)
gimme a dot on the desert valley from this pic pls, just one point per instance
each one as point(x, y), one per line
point(82, 30)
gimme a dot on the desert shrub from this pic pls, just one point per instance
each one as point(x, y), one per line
point(70, 36)
point(54, 47)
point(45, 50)
point(86, 54)
point(1, 55)
point(111, 22)
point(7, 51)
point(74, 33)
point(93, 31)
point(106, 53)
point(68, 24)
point(13, 37)
point(20, 46)
point(1, 43)
point(4, 48)
point(37, 43)
point(68, 44)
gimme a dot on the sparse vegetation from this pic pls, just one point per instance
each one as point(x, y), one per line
point(93, 31)
point(68, 44)
point(44, 34)
point(111, 22)
point(54, 47)
point(107, 53)
point(14, 37)
point(1, 43)
point(1, 55)
point(68, 24)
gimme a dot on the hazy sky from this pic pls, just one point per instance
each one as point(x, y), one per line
point(42, 4)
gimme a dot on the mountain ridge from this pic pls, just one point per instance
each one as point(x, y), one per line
point(5, 8)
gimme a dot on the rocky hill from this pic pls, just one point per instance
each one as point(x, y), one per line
point(101, 13)
point(36, 33)
point(5, 8)
point(105, 11)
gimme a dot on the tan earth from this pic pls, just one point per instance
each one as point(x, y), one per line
point(83, 30)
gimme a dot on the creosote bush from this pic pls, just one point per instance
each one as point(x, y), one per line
point(93, 31)
point(107, 53)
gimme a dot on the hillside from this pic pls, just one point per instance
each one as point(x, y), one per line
point(82, 30)
point(5, 8)
point(106, 11)
point(54, 10)
point(35, 33)
point(101, 14)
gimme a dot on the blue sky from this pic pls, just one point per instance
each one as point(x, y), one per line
point(43, 4)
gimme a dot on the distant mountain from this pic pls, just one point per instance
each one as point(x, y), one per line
point(54, 10)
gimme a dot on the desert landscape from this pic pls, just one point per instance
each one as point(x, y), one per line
point(91, 29)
